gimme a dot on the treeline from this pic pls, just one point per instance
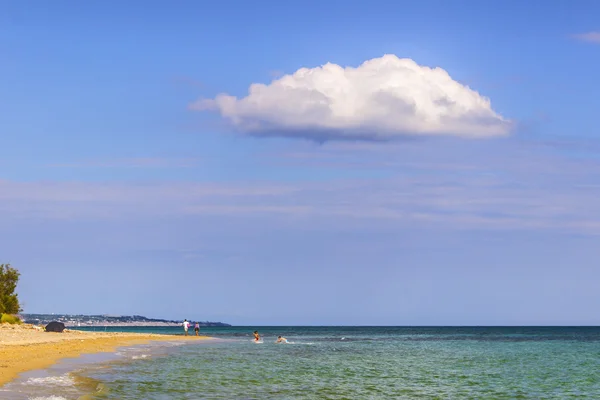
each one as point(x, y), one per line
point(9, 301)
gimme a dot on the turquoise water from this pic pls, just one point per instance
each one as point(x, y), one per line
point(344, 363)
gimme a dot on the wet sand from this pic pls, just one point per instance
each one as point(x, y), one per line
point(25, 347)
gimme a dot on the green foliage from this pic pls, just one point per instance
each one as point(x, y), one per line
point(9, 302)
point(9, 319)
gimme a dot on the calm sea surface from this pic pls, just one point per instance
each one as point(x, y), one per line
point(335, 363)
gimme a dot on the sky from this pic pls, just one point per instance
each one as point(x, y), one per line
point(313, 163)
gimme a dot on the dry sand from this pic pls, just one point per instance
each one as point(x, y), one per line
point(26, 347)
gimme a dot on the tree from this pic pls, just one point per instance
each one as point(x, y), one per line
point(9, 302)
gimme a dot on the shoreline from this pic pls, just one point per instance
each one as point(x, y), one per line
point(25, 348)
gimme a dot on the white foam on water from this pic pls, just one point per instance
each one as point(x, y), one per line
point(173, 344)
point(48, 398)
point(62, 380)
point(140, 356)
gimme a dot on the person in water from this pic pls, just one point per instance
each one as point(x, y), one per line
point(256, 336)
point(281, 340)
point(197, 328)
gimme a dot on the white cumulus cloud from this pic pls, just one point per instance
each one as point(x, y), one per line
point(382, 99)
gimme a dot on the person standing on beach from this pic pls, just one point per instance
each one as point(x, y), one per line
point(197, 328)
point(186, 325)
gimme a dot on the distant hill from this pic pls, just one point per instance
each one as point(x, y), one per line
point(106, 320)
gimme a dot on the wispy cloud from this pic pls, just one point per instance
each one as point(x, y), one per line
point(135, 162)
point(509, 185)
point(592, 37)
point(561, 199)
point(541, 159)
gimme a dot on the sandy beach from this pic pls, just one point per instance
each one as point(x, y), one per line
point(25, 347)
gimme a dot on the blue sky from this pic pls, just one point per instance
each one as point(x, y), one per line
point(385, 193)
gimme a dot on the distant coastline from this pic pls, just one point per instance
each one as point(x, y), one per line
point(81, 320)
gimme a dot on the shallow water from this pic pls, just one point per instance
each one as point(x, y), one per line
point(347, 363)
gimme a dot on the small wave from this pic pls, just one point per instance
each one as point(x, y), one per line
point(63, 380)
point(301, 343)
point(140, 356)
point(48, 398)
point(170, 344)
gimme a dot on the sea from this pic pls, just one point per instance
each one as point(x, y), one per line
point(333, 363)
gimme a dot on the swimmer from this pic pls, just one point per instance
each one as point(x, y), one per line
point(256, 336)
point(281, 340)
